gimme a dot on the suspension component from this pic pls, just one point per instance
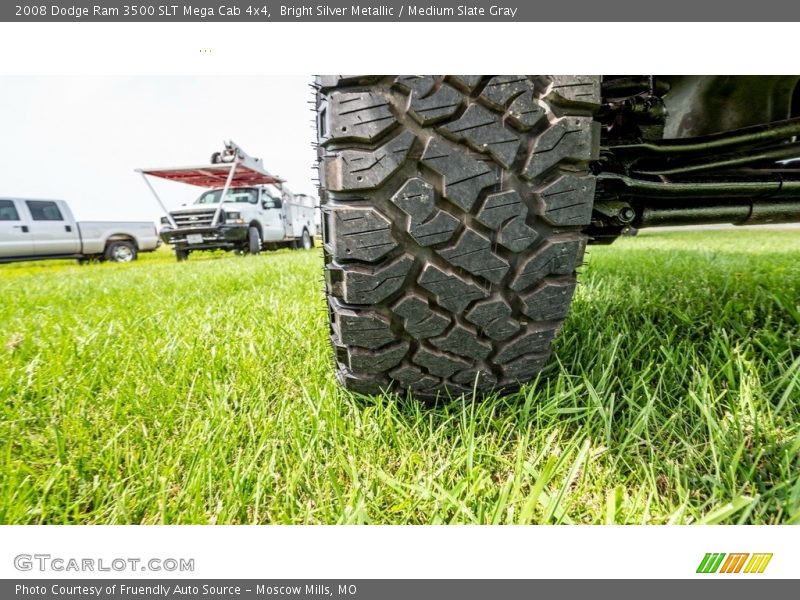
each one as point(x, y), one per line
point(738, 139)
point(629, 187)
point(736, 212)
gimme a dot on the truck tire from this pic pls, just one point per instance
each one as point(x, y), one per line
point(120, 251)
point(306, 242)
point(253, 240)
point(453, 210)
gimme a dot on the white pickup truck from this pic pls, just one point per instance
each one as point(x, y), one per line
point(32, 229)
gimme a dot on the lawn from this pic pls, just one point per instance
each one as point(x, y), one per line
point(203, 392)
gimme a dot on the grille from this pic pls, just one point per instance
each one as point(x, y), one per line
point(193, 219)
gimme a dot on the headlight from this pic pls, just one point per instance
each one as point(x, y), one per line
point(233, 217)
point(165, 221)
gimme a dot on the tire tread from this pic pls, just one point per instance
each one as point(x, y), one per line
point(454, 209)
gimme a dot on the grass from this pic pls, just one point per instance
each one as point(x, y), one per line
point(203, 392)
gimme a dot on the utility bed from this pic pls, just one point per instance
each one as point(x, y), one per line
point(245, 208)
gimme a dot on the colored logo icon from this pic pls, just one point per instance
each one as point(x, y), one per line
point(741, 562)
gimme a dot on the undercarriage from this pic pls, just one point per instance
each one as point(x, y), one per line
point(696, 150)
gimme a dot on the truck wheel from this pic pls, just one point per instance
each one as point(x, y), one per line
point(453, 213)
point(121, 251)
point(306, 243)
point(253, 240)
point(181, 254)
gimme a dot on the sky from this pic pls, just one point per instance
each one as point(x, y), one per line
point(79, 139)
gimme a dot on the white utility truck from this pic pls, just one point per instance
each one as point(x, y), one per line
point(33, 229)
point(245, 208)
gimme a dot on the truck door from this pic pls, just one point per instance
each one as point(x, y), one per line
point(15, 234)
point(272, 217)
point(51, 232)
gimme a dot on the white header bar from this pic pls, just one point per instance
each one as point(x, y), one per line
point(298, 48)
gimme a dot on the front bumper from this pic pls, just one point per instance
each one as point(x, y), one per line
point(221, 236)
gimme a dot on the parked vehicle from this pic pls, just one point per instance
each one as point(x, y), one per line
point(246, 209)
point(32, 229)
point(456, 208)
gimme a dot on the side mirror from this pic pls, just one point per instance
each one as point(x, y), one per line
point(267, 204)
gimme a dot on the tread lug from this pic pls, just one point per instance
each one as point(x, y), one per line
point(463, 342)
point(473, 252)
point(361, 234)
point(366, 169)
point(359, 116)
point(464, 177)
point(377, 361)
point(439, 363)
point(554, 257)
point(549, 301)
point(440, 105)
point(427, 224)
point(569, 139)
point(480, 129)
point(451, 292)
point(372, 285)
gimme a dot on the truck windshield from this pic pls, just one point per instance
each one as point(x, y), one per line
point(235, 195)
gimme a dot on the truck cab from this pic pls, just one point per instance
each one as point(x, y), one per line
point(37, 228)
point(242, 208)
